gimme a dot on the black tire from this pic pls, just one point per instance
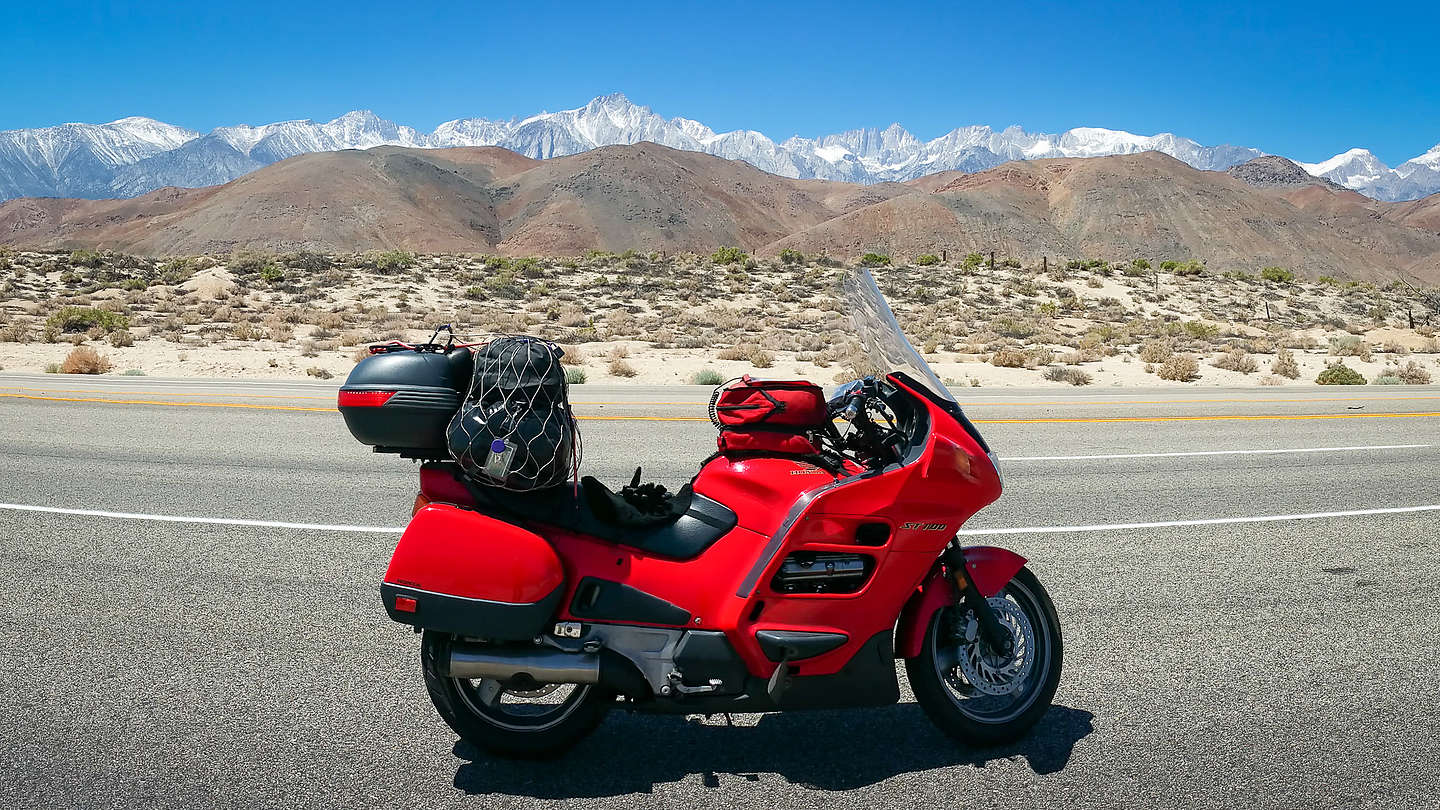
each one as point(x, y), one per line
point(980, 719)
point(490, 728)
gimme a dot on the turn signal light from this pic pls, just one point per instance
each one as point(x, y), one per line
point(405, 604)
point(363, 399)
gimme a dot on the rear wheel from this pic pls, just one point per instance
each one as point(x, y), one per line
point(976, 696)
point(542, 721)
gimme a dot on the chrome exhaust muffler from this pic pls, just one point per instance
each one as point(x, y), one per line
point(540, 664)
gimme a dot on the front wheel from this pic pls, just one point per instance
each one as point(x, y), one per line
point(980, 698)
point(538, 722)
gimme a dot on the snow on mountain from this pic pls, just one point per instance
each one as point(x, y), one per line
point(135, 155)
point(1361, 171)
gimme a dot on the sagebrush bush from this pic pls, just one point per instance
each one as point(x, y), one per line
point(874, 260)
point(788, 256)
point(927, 259)
point(1074, 376)
point(1387, 379)
point(620, 368)
point(85, 360)
point(321, 373)
point(1156, 351)
point(1284, 365)
point(1350, 346)
point(1236, 360)
point(1340, 374)
point(728, 255)
point(1180, 368)
point(1008, 358)
point(1412, 373)
point(761, 359)
point(83, 319)
point(1277, 274)
point(121, 338)
point(708, 376)
point(575, 376)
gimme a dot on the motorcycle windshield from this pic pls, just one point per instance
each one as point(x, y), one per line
point(880, 336)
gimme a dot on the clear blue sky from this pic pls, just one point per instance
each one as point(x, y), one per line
point(1302, 79)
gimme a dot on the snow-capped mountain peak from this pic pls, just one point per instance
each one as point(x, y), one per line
point(134, 155)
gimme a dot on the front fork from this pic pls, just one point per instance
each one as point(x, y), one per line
point(997, 638)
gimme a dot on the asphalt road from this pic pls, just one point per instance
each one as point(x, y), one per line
point(1264, 664)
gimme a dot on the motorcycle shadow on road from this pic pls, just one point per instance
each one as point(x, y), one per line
point(840, 750)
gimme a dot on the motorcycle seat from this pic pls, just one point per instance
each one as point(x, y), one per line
point(690, 524)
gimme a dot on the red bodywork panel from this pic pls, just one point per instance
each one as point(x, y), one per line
point(462, 553)
point(990, 568)
point(783, 505)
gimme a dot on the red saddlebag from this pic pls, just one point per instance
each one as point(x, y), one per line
point(768, 417)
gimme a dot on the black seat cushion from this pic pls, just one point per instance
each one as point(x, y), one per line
point(692, 524)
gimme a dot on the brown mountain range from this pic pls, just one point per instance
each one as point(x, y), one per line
point(649, 197)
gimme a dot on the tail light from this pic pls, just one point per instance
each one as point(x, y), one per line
point(363, 399)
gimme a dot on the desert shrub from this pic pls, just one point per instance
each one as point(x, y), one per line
point(309, 261)
point(83, 319)
point(321, 373)
point(178, 270)
point(389, 261)
point(1169, 264)
point(760, 358)
point(575, 376)
point(1074, 376)
point(874, 260)
point(974, 260)
point(271, 273)
point(15, 333)
point(927, 259)
point(85, 360)
point(121, 338)
point(1156, 351)
point(1140, 264)
point(789, 256)
point(1284, 365)
point(132, 372)
point(1387, 379)
point(708, 376)
point(85, 258)
point(728, 255)
point(620, 368)
point(249, 262)
point(1412, 373)
point(1008, 358)
point(52, 368)
point(1236, 360)
point(1350, 346)
point(529, 266)
point(572, 355)
point(1180, 368)
point(1277, 274)
point(1201, 330)
point(1340, 374)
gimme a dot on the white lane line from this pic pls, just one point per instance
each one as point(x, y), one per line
point(268, 524)
point(1165, 524)
point(1220, 452)
point(1099, 527)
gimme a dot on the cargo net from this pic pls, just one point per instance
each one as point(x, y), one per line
point(516, 430)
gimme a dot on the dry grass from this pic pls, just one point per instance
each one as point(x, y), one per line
point(1236, 360)
point(1284, 365)
point(619, 368)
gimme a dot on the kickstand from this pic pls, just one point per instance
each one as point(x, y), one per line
point(779, 680)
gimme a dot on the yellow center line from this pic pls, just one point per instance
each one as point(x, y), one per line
point(1220, 417)
point(129, 392)
point(618, 418)
point(1246, 401)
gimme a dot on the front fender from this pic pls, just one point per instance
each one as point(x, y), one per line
point(990, 568)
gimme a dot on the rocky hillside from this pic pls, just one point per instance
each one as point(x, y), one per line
point(648, 197)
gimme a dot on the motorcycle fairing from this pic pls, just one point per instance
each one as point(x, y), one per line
point(991, 568)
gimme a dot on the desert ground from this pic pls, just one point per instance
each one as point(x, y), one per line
point(980, 320)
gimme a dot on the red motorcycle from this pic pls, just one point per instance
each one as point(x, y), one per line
point(799, 563)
